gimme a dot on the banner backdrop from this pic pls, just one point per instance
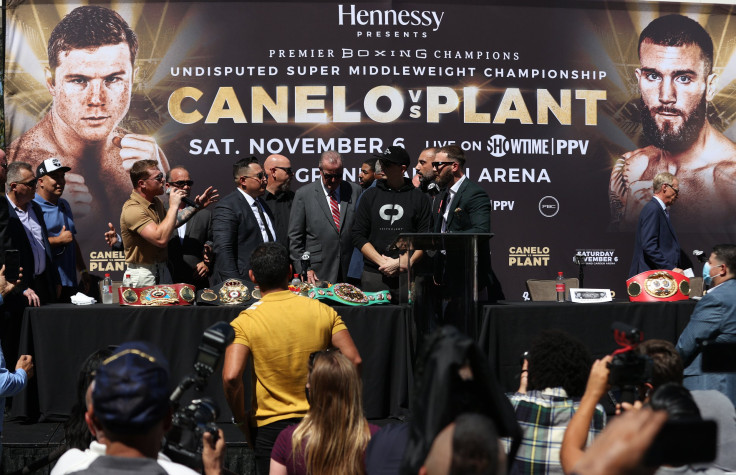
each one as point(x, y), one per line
point(543, 100)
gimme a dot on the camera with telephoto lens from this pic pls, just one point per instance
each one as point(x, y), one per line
point(189, 423)
point(629, 369)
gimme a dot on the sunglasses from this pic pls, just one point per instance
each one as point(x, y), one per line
point(257, 176)
point(331, 176)
point(159, 178)
point(286, 169)
point(676, 190)
point(182, 183)
point(437, 165)
point(29, 184)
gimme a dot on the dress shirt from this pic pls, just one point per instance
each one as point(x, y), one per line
point(450, 195)
point(254, 204)
point(30, 223)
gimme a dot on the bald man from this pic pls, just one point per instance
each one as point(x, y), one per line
point(278, 194)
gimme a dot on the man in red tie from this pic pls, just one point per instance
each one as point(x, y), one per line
point(321, 221)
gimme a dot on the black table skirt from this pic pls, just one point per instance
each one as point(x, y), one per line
point(61, 336)
point(508, 330)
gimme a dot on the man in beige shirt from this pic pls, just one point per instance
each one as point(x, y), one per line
point(146, 226)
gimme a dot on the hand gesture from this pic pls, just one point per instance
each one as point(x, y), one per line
point(209, 196)
point(134, 147)
point(111, 236)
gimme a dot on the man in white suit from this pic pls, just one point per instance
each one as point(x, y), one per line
point(320, 222)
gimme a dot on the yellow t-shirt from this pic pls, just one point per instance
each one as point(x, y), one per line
point(282, 330)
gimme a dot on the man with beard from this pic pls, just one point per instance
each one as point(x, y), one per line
point(278, 195)
point(367, 174)
point(425, 173)
point(91, 54)
point(676, 81)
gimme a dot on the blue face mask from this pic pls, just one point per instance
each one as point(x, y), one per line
point(707, 279)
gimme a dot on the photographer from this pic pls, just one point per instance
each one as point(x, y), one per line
point(130, 406)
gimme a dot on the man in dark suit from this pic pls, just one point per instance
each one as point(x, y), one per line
point(187, 262)
point(3, 207)
point(240, 222)
point(27, 233)
point(656, 245)
point(321, 220)
point(463, 207)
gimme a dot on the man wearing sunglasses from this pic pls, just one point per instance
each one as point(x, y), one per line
point(241, 221)
point(68, 257)
point(656, 245)
point(278, 195)
point(146, 226)
point(321, 222)
point(26, 233)
point(188, 261)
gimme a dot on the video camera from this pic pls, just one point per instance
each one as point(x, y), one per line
point(189, 423)
point(629, 370)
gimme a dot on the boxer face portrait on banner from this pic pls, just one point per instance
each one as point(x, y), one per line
point(90, 74)
point(676, 81)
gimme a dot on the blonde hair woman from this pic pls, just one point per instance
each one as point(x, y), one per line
point(331, 439)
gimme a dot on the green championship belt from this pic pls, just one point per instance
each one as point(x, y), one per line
point(349, 295)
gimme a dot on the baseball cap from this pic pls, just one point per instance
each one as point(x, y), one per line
point(394, 154)
point(131, 392)
point(50, 165)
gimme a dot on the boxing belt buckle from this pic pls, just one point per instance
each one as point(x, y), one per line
point(230, 292)
point(349, 294)
point(659, 285)
point(158, 295)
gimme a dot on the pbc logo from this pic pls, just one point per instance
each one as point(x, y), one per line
point(391, 213)
point(549, 206)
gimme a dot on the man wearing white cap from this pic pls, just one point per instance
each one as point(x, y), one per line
point(67, 256)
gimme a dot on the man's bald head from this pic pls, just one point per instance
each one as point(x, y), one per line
point(278, 169)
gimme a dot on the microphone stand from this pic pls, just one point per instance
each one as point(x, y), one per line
point(579, 259)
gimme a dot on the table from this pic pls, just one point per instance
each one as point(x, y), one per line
point(508, 330)
point(61, 336)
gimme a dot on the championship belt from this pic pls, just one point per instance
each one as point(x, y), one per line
point(230, 292)
point(658, 286)
point(157, 295)
point(349, 295)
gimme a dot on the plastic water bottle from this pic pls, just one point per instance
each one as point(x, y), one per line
point(107, 289)
point(560, 287)
point(296, 281)
point(126, 281)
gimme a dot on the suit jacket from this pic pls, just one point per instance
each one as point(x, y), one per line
point(17, 239)
point(714, 318)
point(311, 228)
point(470, 212)
point(656, 245)
point(236, 233)
point(184, 255)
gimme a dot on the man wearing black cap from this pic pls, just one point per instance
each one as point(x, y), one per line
point(130, 403)
point(392, 207)
point(67, 256)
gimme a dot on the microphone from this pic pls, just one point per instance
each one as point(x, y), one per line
point(305, 265)
point(579, 259)
point(433, 189)
point(190, 202)
point(700, 255)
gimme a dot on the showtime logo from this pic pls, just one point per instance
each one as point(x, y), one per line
point(498, 146)
point(350, 15)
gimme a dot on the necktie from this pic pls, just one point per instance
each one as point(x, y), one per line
point(259, 207)
point(335, 207)
point(667, 213)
